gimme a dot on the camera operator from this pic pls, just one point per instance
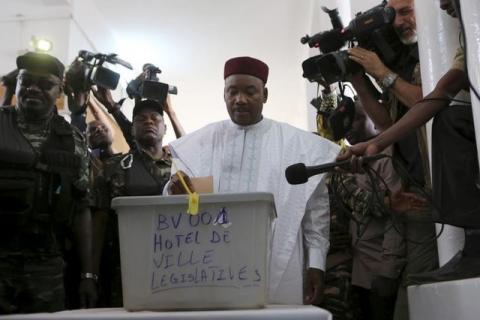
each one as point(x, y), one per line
point(104, 96)
point(454, 162)
point(77, 90)
point(402, 88)
point(377, 246)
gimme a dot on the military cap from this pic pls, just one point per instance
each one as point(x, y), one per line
point(34, 61)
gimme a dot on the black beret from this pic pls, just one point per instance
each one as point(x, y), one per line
point(34, 61)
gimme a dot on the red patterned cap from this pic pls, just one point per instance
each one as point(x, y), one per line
point(246, 65)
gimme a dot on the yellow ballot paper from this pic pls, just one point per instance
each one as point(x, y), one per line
point(193, 197)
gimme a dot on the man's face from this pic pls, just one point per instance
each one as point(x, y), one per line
point(362, 127)
point(244, 96)
point(99, 135)
point(405, 24)
point(148, 127)
point(37, 92)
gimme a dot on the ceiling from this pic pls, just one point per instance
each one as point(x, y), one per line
point(20, 9)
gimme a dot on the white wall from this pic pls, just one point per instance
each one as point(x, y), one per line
point(191, 40)
point(16, 36)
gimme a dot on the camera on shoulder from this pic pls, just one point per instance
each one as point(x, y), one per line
point(148, 85)
point(371, 30)
point(88, 69)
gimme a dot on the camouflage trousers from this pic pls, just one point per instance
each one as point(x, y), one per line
point(339, 297)
point(31, 284)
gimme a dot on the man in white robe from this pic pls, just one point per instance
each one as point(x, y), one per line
point(249, 153)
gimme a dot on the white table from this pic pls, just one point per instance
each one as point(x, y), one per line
point(445, 300)
point(273, 312)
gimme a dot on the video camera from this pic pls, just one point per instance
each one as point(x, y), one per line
point(148, 86)
point(338, 121)
point(88, 70)
point(371, 30)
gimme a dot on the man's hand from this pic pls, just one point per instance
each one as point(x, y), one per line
point(104, 96)
point(357, 151)
point(88, 293)
point(402, 202)
point(369, 61)
point(314, 286)
point(176, 186)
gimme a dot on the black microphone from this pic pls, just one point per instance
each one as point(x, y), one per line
point(299, 173)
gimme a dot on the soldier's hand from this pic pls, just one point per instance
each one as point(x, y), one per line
point(370, 61)
point(176, 186)
point(88, 293)
point(314, 286)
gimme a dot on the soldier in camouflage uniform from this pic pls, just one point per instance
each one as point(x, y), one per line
point(99, 139)
point(43, 187)
point(143, 171)
point(339, 298)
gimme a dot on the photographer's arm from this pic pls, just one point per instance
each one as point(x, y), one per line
point(177, 127)
point(449, 85)
point(104, 96)
point(409, 94)
point(375, 110)
point(406, 92)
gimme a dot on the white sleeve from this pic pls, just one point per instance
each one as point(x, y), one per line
point(177, 164)
point(316, 227)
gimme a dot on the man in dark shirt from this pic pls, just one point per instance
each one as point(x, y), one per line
point(143, 171)
point(401, 85)
point(454, 162)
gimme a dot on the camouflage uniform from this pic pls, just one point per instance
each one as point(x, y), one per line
point(32, 244)
point(339, 298)
point(346, 198)
point(116, 180)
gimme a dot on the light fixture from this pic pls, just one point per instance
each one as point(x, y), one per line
point(41, 44)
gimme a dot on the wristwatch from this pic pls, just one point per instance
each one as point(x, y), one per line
point(388, 81)
point(89, 275)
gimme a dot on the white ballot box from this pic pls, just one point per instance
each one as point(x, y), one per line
point(217, 259)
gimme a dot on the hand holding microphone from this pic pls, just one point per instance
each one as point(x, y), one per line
point(299, 173)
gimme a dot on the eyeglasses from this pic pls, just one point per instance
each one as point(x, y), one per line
point(42, 82)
